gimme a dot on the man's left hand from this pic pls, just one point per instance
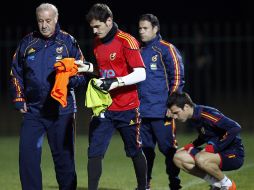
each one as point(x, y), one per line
point(108, 83)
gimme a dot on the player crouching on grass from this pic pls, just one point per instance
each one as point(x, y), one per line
point(223, 150)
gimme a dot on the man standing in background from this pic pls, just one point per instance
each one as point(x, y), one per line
point(164, 75)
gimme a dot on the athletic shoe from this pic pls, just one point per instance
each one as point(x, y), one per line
point(232, 187)
point(148, 187)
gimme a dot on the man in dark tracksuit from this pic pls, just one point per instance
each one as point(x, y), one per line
point(164, 75)
point(223, 150)
point(32, 79)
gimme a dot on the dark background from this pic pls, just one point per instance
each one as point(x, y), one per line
point(127, 12)
point(73, 12)
point(228, 29)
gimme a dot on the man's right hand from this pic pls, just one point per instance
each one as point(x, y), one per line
point(188, 147)
point(84, 66)
point(21, 107)
point(180, 149)
point(169, 114)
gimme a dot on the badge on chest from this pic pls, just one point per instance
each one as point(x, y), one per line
point(59, 51)
point(153, 65)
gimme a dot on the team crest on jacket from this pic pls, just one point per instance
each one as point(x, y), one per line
point(59, 49)
point(31, 50)
point(154, 58)
point(112, 56)
point(132, 122)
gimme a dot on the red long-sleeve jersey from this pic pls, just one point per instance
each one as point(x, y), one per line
point(117, 58)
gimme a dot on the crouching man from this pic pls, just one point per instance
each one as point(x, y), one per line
point(223, 149)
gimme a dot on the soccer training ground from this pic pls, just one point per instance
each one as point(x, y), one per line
point(118, 173)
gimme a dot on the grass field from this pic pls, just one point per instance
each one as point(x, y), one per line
point(118, 173)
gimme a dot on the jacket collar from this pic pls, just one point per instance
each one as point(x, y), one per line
point(196, 111)
point(110, 34)
point(151, 42)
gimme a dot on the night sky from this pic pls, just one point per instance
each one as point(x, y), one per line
point(73, 12)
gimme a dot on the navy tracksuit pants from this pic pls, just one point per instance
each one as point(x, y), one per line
point(153, 131)
point(60, 134)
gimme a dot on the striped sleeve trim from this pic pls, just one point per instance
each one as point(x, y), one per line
point(130, 40)
point(19, 100)
point(176, 65)
point(17, 87)
point(210, 117)
point(174, 133)
point(138, 125)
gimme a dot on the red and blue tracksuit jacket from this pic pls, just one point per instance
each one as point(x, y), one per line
point(33, 75)
point(164, 75)
point(216, 129)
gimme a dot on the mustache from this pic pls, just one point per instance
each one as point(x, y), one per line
point(44, 28)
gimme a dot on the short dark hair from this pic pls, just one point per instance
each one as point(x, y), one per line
point(99, 12)
point(152, 19)
point(179, 99)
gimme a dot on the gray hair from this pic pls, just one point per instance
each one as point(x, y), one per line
point(47, 6)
